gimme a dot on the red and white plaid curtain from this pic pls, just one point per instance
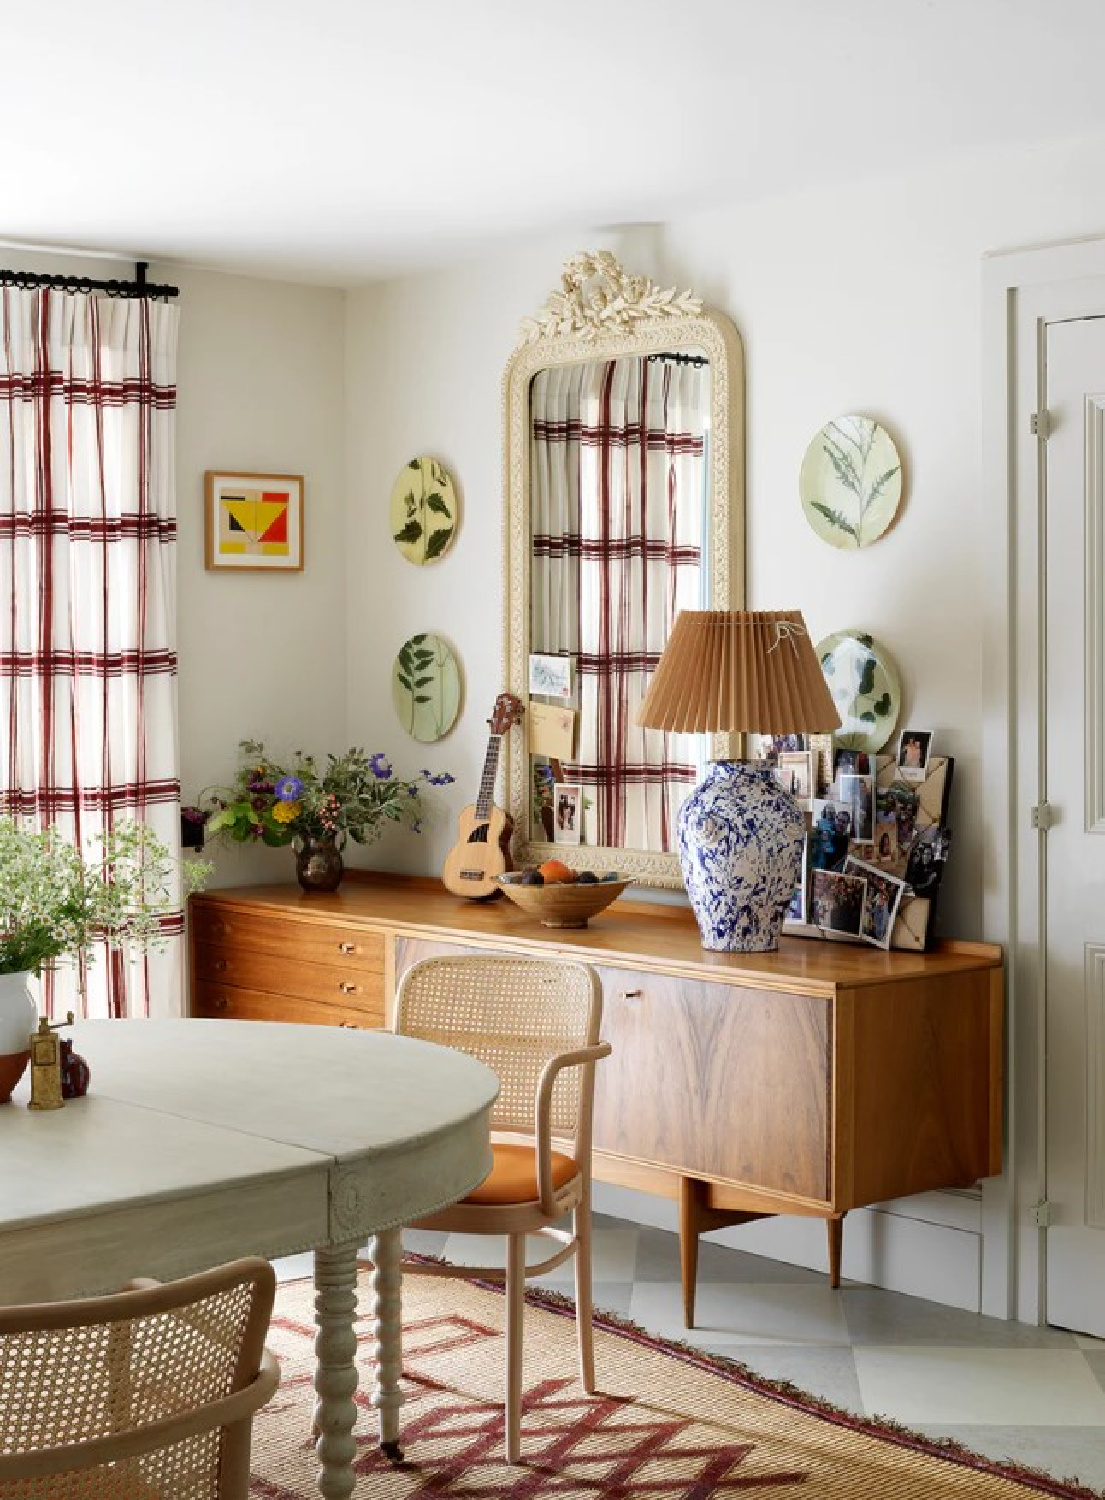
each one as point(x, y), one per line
point(618, 475)
point(87, 596)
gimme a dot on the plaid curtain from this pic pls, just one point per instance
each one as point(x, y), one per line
point(87, 597)
point(618, 476)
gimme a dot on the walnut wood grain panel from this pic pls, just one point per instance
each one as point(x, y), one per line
point(222, 1002)
point(246, 968)
point(921, 1091)
point(717, 1081)
point(295, 940)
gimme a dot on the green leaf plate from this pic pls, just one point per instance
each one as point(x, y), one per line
point(864, 683)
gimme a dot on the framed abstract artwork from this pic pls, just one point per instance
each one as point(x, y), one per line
point(253, 521)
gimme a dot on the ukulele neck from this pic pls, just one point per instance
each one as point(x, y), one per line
point(485, 799)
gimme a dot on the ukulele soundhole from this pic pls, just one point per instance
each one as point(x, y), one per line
point(478, 835)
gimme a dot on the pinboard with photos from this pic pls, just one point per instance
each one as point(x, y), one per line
point(877, 838)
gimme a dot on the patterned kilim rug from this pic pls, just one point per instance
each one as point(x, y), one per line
point(667, 1421)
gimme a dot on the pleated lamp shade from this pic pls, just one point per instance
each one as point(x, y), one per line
point(739, 670)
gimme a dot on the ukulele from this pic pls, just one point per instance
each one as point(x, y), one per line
point(482, 850)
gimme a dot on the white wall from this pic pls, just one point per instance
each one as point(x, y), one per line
point(262, 655)
point(858, 299)
point(260, 386)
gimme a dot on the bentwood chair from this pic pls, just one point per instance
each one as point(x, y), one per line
point(535, 1022)
point(148, 1394)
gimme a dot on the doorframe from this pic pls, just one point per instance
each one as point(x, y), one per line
point(1021, 291)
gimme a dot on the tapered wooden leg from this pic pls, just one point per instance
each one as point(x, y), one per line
point(689, 1195)
point(387, 1285)
point(581, 1223)
point(835, 1227)
point(515, 1310)
point(697, 1215)
point(335, 1369)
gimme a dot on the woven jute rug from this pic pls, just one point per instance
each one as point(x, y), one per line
point(667, 1421)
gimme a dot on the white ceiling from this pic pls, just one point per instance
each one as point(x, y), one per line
point(339, 140)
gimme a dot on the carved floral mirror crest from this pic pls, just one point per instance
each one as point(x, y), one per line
point(624, 477)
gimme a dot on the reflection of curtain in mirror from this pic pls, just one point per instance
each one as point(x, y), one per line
point(618, 474)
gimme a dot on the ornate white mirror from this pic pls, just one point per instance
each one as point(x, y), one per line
point(624, 479)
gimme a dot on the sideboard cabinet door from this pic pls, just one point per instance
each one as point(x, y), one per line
point(715, 1080)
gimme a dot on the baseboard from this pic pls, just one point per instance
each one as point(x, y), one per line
point(929, 1246)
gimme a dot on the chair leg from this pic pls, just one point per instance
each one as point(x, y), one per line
point(515, 1308)
point(581, 1223)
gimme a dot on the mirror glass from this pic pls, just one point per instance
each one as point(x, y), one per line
point(623, 507)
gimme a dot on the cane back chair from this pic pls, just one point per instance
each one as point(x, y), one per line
point(144, 1395)
point(535, 1022)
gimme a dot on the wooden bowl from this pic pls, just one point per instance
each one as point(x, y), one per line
point(567, 905)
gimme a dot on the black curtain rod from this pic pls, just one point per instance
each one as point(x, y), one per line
point(681, 359)
point(139, 287)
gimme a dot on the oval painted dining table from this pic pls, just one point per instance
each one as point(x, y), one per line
point(200, 1141)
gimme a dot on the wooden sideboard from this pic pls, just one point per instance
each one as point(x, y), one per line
point(813, 1080)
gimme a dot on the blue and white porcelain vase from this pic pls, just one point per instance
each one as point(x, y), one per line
point(740, 842)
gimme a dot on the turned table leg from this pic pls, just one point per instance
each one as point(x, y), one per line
point(386, 1251)
point(835, 1227)
point(335, 1369)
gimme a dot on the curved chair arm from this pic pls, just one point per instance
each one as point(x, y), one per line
point(75, 1457)
point(583, 1057)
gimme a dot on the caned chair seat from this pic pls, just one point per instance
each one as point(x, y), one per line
point(145, 1395)
point(535, 1022)
point(513, 1176)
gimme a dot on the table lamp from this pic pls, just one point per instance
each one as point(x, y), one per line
point(739, 833)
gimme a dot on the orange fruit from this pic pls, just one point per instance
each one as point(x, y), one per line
point(556, 872)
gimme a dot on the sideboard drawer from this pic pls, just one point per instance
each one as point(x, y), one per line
point(246, 968)
point(226, 1003)
point(292, 941)
point(717, 1081)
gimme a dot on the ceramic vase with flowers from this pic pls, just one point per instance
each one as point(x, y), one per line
point(314, 808)
point(58, 904)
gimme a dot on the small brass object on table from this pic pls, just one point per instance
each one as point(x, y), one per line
point(46, 1064)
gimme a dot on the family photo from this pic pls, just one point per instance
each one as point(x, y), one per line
point(881, 900)
point(568, 804)
point(913, 753)
point(836, 901)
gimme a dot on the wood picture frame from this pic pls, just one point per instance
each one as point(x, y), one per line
point(253, 522)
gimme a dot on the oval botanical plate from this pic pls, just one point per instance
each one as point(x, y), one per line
point(423, 511)
point(851, 481)
point(425, 687)
point(864, 683)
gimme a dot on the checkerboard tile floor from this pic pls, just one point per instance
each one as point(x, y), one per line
point(1032, 1395)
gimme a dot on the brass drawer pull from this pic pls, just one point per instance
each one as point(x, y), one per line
point(347, 947)
point(347, 988)
point(219, 966)
point(219, 1002)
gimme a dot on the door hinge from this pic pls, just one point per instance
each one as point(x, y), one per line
point(1040, 424)
point(1042, 1214)
point(1045, 815)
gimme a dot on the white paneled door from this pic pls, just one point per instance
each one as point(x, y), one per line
point(1074, 619)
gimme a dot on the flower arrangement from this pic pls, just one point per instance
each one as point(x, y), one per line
point(355, 795)
point(56, 904)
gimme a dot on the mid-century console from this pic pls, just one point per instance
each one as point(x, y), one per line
point(813, 1080)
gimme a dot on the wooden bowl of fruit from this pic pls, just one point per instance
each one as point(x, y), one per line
point(559, 896)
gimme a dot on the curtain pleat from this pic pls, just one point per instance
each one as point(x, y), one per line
point(88, 709)
point(617, 494)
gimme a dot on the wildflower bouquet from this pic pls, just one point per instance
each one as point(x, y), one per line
point(354, 795)
point(56, 904)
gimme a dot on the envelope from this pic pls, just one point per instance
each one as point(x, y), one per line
point(552, 731)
